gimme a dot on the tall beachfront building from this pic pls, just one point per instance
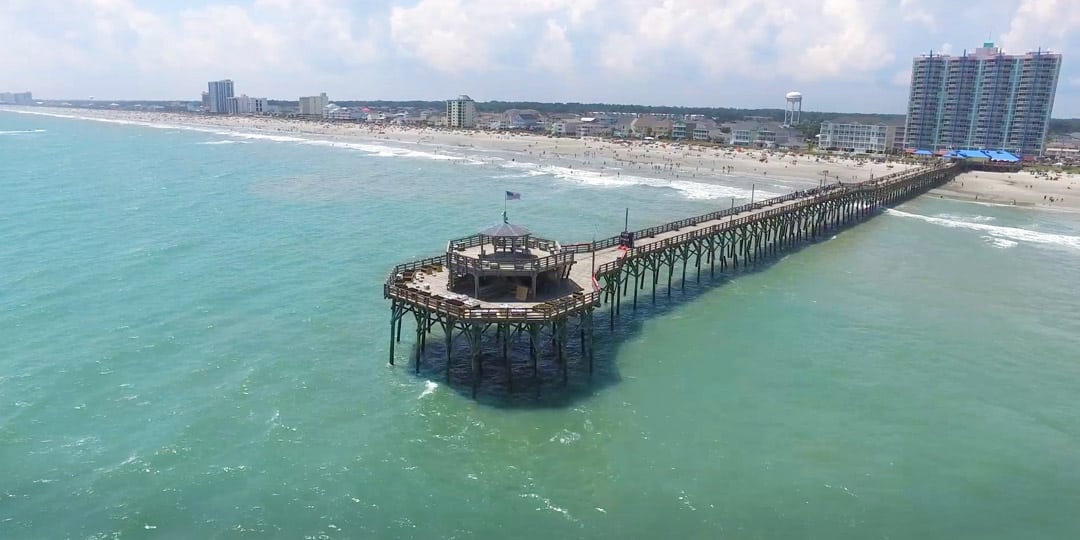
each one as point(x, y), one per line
point(17, 98)
point(219, 94)
point(987, 99)
point(461, 112)
point(313, 105)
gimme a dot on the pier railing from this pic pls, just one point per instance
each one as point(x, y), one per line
point(459, 262)
point(539, 312)
point(837, 188)
point(819, 195)
point(542, 244)
point(415, 265)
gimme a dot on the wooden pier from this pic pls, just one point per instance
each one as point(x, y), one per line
point(503, 284)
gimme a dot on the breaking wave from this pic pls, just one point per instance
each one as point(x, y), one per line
point(690, 189)
point(1002, 235)
point(22, 131)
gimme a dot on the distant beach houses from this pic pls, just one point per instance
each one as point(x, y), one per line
point(462, 112)
point(16, 98)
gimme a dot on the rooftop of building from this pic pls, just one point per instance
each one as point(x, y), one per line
point(988, 50)
point(851, 122)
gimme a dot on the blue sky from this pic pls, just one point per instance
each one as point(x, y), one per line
point(843, 55)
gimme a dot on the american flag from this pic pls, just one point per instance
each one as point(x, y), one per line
point(513, 196)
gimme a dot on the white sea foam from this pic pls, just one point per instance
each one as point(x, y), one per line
point(429, 388)
point(972, 219)
point(121, 122)
point(1006, 233)
point(259, 136)
point(22, 131)
point(1001, 243)
point(225, 141)
point(378, 150)
point(522, 174)
point(690, 189)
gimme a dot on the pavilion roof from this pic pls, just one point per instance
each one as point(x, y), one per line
point(505, 230)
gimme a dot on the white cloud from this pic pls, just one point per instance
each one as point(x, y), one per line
point(723, 39)
point(1042, 23)
point(913, 11)
point(810, 40)
point(554, 52)
point(459, 35)
point(95, 38)
point(849, 54)
point(853, 43)
point(618, 54)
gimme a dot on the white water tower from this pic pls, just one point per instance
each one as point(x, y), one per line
point(793, 109)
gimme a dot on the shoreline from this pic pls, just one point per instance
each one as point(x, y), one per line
point(1056, 192)
point(699, 172)
point(667, 161)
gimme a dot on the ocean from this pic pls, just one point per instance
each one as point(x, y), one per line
point(193, 344)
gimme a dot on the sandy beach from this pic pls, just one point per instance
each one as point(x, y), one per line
point(606, 157)
point(700, 165)
point(1028, 189)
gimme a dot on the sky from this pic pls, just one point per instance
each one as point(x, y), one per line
point(843, 55)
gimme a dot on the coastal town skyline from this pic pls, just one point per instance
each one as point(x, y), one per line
point(675, 53)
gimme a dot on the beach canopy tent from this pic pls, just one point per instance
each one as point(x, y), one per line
point(998, 155)
point(983, 155)
point(975, 155)
point(923, 153)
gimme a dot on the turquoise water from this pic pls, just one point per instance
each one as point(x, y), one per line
point(193, 344)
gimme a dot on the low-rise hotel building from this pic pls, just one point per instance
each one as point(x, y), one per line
point(856, 137)
point(244, 104)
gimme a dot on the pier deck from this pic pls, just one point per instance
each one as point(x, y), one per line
point(520, 285)
point(606, 257)
point(435, 282)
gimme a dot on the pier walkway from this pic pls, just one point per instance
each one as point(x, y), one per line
point(520, 285)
